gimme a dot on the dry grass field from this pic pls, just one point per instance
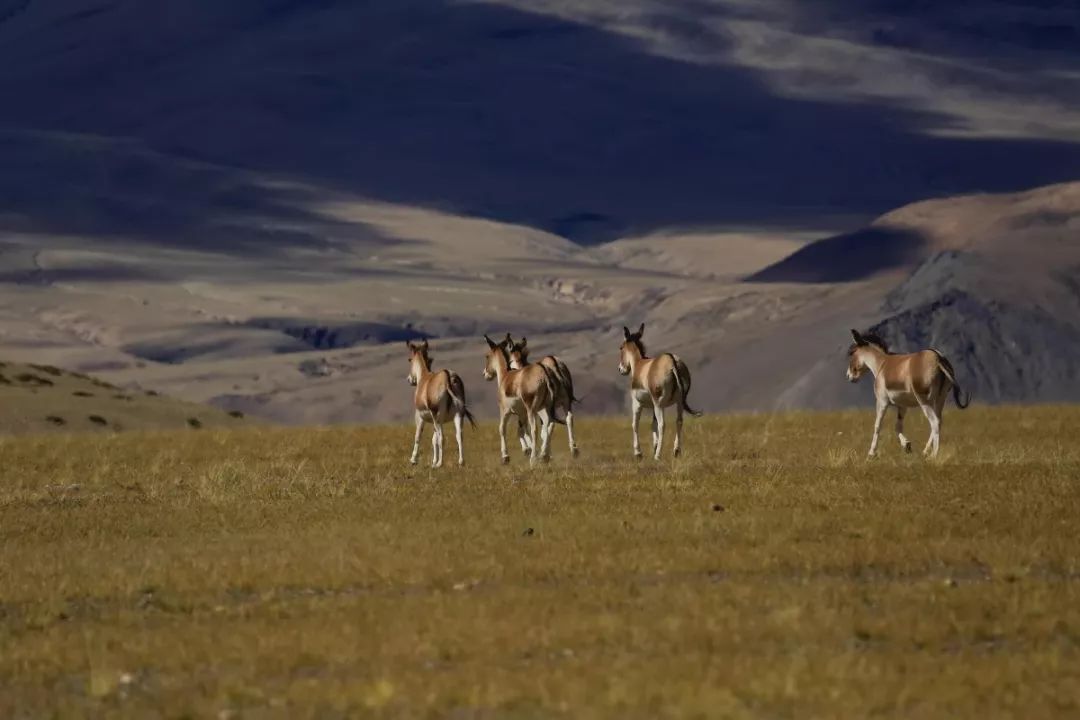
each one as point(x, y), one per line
point(772, 572)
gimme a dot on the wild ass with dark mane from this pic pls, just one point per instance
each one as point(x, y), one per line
point(921, 379)
point(439, 398)
point(528, 393)
point(518, 353)
point(657, 383)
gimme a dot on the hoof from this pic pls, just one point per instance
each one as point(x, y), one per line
point(637, 456)
point(678, 452)
point(574, 452)
point(527, 452)
point(412, 461)
point(461, 463)
point(907, 447)
point(505, 459)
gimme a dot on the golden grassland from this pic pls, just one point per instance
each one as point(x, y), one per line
point(771, 572)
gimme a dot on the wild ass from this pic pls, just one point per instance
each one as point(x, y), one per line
point(921, 379)
point(518, 353)
point(657, 383)
point(528, 392)
point(439, 397)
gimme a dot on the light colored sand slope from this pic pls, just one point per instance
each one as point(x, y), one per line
point(313, 332)
point(44, 398)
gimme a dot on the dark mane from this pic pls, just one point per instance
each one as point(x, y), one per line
point(640, 345)
point(875, 339)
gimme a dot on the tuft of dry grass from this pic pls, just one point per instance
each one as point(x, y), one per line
point(771, 572)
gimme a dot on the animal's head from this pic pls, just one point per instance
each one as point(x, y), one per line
point(496, 354)
point(858, 351)
point(631, 349)
point(418, 358)
point(517, 352)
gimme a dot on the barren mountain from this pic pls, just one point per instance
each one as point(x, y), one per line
point(253, 203)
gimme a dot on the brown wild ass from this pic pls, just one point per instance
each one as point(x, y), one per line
point(528, 393)
point(657, 383)
point(439, 398)
point(518, 353)
point(920, 379)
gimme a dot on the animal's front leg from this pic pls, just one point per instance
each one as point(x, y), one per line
point(502, 437)
point(532, 437)
point(635, 418)
point(416, 439)
point(882, 408)
point(658, 432)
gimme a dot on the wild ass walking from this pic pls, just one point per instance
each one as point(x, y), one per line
point(439, 397)
point(518, 353)
point(528, 393)
point(657, 383)
point(920, 379)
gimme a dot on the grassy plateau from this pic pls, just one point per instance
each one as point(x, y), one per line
point(770, 572)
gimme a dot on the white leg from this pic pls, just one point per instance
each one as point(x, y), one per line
point(678, 429)
point(502, 437)
point(905, 444)
point(570, 434)
point(655, 439)
point(939, 408)
point(932, 420)
point(532, 436)
point(546, 426)
point(658, 416)
point(882, 408)
point(635, 417)
point(436, 430)
point(416, 439)
point(458, 420)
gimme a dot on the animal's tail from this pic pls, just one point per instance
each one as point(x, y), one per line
point(682, 379)
point(552, 380)
point(456, 388)
point(567, 381)
point(947, 368)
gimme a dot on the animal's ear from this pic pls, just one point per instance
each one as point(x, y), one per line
point(625, 332)
point(523, 343)
point(508, 341)
point(857, 338)
point(408, 344)
point(424, 345)
point(641, 330)
point(491, 343)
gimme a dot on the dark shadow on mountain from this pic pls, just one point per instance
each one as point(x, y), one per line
point(845, 258)
point(61, 184)
point(471, 107)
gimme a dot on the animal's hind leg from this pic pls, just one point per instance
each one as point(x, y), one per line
point(546, 426)
point(436, 445)
point(658, 416)
point(416, 439)
point(905, 444)
point(678, 429)
point(932, 419)
point(655, 435)
point(523, 437)
point(458, 420)
point(532, 436)
point(570, 433)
